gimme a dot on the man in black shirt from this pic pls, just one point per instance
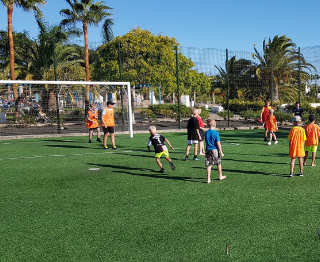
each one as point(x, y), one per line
point(193, 128)
point(160, 149)
point(298, 111)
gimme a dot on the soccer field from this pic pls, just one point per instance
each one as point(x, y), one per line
point(53, 208)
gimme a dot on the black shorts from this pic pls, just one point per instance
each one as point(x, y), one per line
point(192, 136)
point(93, 129)
point(109, 129)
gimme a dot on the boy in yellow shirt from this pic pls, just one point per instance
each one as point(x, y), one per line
point(312, 132)
point(297, 138)
point(108, 125)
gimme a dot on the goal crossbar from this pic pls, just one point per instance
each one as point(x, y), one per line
point(84, 83)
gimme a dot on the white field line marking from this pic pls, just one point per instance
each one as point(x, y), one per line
point(75, 154)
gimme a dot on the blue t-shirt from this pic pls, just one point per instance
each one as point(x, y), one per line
point(212, 137)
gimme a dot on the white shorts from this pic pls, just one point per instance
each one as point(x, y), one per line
point(193, 142)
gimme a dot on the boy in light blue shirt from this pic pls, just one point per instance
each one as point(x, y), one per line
point(214, 152)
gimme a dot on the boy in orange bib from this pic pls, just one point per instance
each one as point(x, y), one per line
point(272, 126)
point(297, 138)
point(108, 124)
point(92, 122)
point(312, 132)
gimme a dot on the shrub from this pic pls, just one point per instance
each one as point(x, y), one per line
point(250, 114)
point(237, 106)
point(148, 113)
point(224, 114)
point(283, 116)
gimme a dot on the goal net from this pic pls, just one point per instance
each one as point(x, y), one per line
point(45, 107)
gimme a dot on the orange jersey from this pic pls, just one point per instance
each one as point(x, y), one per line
point(271, 124)
point(297, 137)
point(92, 120)
point(108, 117)
point(312, 131)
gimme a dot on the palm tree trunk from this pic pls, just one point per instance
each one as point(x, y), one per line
point(86, 59)
point(11, 48)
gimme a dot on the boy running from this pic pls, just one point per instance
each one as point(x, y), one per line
point(272, 127)
point(213, 150)
point(160, 149)
point(297, 138)
point(108, 125)
point(92, 122)
point(263, 117)
point(312, 132)
point(193, 128)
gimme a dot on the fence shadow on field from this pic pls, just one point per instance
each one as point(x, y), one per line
point(70, 146)
point(144, 156)
point(60, 141)
point(249, 172)
point(155, 173)
point(255, 161)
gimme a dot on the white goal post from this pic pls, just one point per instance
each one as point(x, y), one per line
point(82, 83)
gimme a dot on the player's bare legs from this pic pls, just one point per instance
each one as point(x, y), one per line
point(98, 134)
point(195, 149)
point(301, 165)
point(221, 177)
point(314, 154)
point(172, 166)
point(105, 140)
point(209, 174)
point(90, 135)
point(158, 161)
point(188, 151)
point(202, 152)
point(293, 161)
point(306, 158)
point(113, 140)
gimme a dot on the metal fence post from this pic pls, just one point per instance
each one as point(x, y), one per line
point(178, 86)
point(121, 90)
point(56, 90)
point(228, 85)
point(299, 74)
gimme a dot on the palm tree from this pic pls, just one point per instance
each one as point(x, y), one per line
point(86, 12)
point(279, 63)
point(26, 5)
point(107, 31)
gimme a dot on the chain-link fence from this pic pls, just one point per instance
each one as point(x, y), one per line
point(229, 85)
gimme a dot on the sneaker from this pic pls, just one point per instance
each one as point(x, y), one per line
point(186, 158)
point(99, 140)
point(196, 158)
point(301, 174)
point(106, 147)
point(90, 141)
point(291, 175)
point(114, 147)
point(269, 143)
point(172, 166)
point(162, 170)
point(276, 142)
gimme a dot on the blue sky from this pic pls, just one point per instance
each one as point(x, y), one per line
point(233, 24)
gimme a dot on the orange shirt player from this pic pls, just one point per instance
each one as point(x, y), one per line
point(272, 127)
point(92, 122)
point(312, 132)
point(297, 138)
point(108, 124)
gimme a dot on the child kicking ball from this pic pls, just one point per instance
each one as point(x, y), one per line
point(297, 138)
point(213, 150)
point(160, 149)
point(312, 132)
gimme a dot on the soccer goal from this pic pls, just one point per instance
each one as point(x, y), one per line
point(61, 104)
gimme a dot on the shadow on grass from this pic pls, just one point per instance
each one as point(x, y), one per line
point(254, 161)
point(155, 173)
point(59, 140)
point(248, 172)
point(71, 146)
point(144, 156)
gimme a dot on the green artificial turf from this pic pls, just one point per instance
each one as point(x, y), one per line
point(52, 208)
